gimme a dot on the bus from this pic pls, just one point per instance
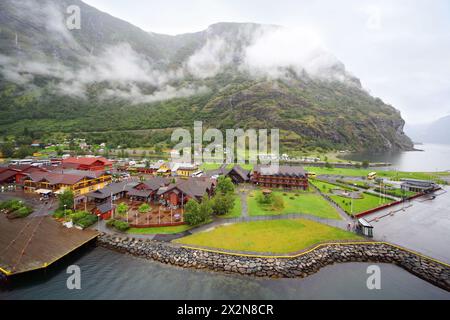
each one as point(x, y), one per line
point(372, 176)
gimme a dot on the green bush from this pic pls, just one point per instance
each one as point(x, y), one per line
point(87, 221)
point(11, 205)
point(119, 225)
point(22, 212)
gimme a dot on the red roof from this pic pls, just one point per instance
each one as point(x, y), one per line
point(86, 160)
point(7, 174)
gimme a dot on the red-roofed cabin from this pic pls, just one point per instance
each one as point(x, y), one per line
point(87, 163)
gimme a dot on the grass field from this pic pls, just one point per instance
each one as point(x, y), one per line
point(277, 236)
point(394, 175)
point(359, 205)
point(307, 203)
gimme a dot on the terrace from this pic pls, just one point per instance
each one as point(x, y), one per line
point(157, 215)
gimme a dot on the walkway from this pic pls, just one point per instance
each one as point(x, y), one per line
point(219, 222)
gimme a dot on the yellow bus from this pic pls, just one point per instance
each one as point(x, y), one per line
point(372, 175)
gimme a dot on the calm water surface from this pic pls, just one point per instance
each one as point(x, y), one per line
point(110, 275)
point(434, 157)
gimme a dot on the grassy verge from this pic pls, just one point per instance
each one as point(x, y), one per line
point(307, 203)
point(277, 236)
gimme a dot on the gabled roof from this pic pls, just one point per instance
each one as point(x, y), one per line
point(289, 171)
point(156, 182)
point(113, 188)
point(193, 187)
point(55, 178)
point(7, 174)
point(86, 160)
point(244, 174)
point(105, 207)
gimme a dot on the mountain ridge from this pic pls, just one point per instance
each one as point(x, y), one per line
point(229, 75)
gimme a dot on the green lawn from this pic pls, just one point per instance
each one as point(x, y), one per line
point(159, 230)
point(277, 236)
point(368, 201)
point(395, 175)
point(307, 203)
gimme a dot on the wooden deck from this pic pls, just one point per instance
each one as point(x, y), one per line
point(34, 243)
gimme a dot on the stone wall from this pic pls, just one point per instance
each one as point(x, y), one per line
point(289, 267)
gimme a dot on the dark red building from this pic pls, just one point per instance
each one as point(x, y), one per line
point(285, 177)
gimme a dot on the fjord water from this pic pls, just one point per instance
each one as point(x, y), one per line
point(434, 157)
point(109, 275)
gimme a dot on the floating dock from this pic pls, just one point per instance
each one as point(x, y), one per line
point(35, 243)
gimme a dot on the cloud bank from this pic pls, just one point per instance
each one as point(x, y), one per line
point(264, 51)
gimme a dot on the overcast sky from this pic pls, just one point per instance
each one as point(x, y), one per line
point(400, 49)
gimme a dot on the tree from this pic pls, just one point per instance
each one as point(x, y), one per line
point(122, 208)
point(365, 164)
point(7, 149)
point(24, 151)
point(205, 209)
point(192, 213)
point(66, 200)
point(222, 203)
point(224, 185)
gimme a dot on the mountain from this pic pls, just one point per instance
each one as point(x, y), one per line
point(111, 81)
point(435, 132)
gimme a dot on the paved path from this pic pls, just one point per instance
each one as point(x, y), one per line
point(243, 193)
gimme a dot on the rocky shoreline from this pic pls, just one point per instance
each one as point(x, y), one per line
point(302, 265)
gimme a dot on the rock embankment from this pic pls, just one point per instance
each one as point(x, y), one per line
point(286, 267)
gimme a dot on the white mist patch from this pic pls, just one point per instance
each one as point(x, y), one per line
point(210, 59)
point(279, 48)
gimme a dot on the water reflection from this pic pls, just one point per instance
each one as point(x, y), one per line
point(110, 275)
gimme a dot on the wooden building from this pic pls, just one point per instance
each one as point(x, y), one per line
point(285, 177)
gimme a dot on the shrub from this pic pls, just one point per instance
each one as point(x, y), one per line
point(22, 212)
point(119, 225)
point(87, 221)
point(278, 202)
point(143, 208)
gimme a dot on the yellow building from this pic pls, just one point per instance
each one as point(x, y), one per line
point(79, 183)
point(186, 171)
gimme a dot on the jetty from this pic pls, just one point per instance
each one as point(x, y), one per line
point(35, 243)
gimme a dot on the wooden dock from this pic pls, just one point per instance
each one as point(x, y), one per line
point(34, 243)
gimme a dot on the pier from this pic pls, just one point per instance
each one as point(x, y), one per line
point(35, 243)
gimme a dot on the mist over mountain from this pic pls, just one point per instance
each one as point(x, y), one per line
point(111, 78)
point(435, 132)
